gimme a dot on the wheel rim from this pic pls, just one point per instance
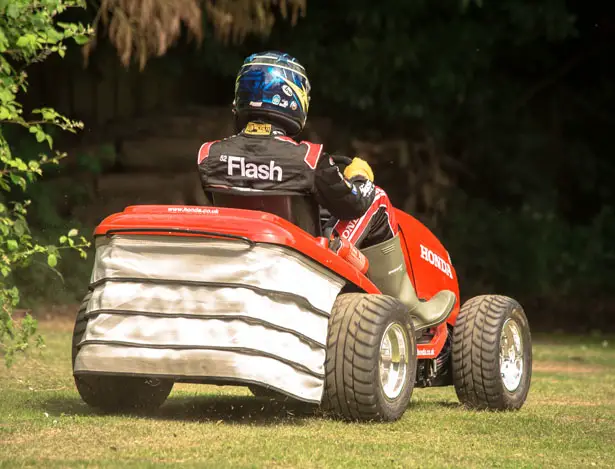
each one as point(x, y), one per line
point(393, 360)
point(511, 355)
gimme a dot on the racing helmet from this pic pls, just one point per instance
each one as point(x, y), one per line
point(272, 86)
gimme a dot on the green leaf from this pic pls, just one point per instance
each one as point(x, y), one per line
point(12, 10)
point(53, 35)
point(4, 42)
point(26, 41)
point(48, 114)
point(18, 180)
point(52, 260)
point(62, 239)
point(6, 95)
point(20, 227)
point(12, 245)
point(81, 39)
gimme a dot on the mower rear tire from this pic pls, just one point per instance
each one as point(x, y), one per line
point(492, 354)
point(111, 393)
point(370, 369)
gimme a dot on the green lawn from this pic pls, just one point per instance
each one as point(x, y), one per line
point(568, 421)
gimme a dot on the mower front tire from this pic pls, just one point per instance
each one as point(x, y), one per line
point(370, 367)
point(492, 354)
point(116, 393)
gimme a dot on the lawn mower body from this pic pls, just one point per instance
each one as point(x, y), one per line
point(240, 297)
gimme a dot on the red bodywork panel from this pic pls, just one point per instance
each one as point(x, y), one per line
point(429, 273)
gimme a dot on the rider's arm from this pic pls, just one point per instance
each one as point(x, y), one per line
point(345, 198)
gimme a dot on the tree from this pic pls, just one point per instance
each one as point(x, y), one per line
point(147, 28)
point(29, 32)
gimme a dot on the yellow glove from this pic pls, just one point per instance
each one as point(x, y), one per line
point(359, 167)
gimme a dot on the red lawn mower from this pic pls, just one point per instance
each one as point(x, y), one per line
point(244, 296)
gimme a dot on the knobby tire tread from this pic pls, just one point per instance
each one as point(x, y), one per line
point(353, 344)
point(476, 351)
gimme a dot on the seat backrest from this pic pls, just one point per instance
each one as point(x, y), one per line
point(300, 210)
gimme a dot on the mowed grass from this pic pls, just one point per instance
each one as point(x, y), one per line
point(568, 421)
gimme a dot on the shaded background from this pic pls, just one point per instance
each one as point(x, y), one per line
point(491, 122)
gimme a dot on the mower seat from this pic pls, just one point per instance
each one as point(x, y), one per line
point(299, 210)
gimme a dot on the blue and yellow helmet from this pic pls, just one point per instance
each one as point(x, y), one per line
point(273, 86)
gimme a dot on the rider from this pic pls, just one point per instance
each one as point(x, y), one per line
point(272, 95)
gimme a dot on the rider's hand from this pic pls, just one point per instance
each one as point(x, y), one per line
point(359, 167)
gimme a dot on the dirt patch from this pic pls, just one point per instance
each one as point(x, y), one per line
point(567, 367)
point(55, 317)
point(59, 324)
point(49, 313)
point(567, 403)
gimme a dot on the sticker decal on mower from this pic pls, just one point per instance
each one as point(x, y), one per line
point(435, 260)
point(349, 228)
point(203, 211)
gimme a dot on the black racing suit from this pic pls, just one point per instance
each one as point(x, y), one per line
point(262, 158)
